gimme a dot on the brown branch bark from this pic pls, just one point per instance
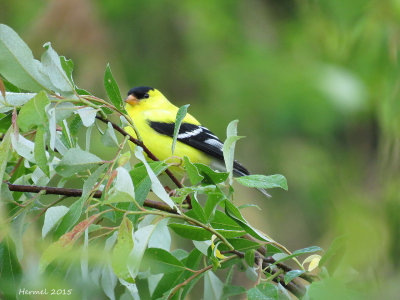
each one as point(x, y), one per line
point(77, 193)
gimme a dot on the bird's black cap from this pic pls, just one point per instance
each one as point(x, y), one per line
point(140, 91)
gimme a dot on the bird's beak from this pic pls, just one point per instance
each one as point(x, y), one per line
point(132, 100)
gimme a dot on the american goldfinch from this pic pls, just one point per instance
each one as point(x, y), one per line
point(154, 117)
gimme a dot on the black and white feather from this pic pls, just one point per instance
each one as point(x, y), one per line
point(201, 138)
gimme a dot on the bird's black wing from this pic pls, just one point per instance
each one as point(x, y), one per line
point(200, 138)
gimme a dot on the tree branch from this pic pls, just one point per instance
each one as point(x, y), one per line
point(77, 193)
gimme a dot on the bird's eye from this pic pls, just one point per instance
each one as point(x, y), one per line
point(146, 95)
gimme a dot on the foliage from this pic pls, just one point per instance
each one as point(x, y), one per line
point(119, 237)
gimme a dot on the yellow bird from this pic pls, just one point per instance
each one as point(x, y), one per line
point(154, 117)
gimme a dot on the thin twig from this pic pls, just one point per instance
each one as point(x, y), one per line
point(77, 193)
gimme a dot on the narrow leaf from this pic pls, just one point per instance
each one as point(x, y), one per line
point(141, 179)
point(229, 147)
point(141, 239)
point(76, 160)
point(192, 172)
point(213, 286)
point(266, 291)
point(161, 261)
point(263, 182)
point(88, 115)
point(235, 214)
point(52, 67)
point(123, 190)
point(40, 151)
point(112, 89)
point(4, 150)
point(211, 176)
point(180, 115)
point(122, 249)
point(156, 186)
point(51, 218)
point(65, 243)
point(289, 276)
point(75, 210)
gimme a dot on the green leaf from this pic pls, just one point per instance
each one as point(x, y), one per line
point(112, 89)
point(33, 112)
point(122, 190)
point(271, 250)
point(141, 179)
point(23, 147)
point(161, 261)
point(52, 67)
point(267, 291)
point(75, 210)
point(14, 99)
point(40, 151)
point(242, 244)
point(17, 230)
point(109, 138)
point(10, 269)
point(141, 239)
point(229, 147)
point(190, 232)
point(161, 237)
point(88, 115)
point(191, 171)
point(289, 276)
point(75, 125)
point(249, 257)
point(75, 161)
point(64, 244)
point(122, 249)
point(213, 286)
point(180, 115)
point(68, 67)
point(17, 64)
point(5, 122)
point(211, 176)
point(51, 218)
point(232, 290)
point(212, 201)
point(156, 185)
point(307, 250)
point(198, 210)
point(192, 262)
point(299, 252)
point(222, 221)
point(5, 146)
point(235, 214)
point(263, 182)
point(197, 233)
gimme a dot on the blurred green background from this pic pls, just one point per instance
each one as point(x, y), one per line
point(315, 85)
